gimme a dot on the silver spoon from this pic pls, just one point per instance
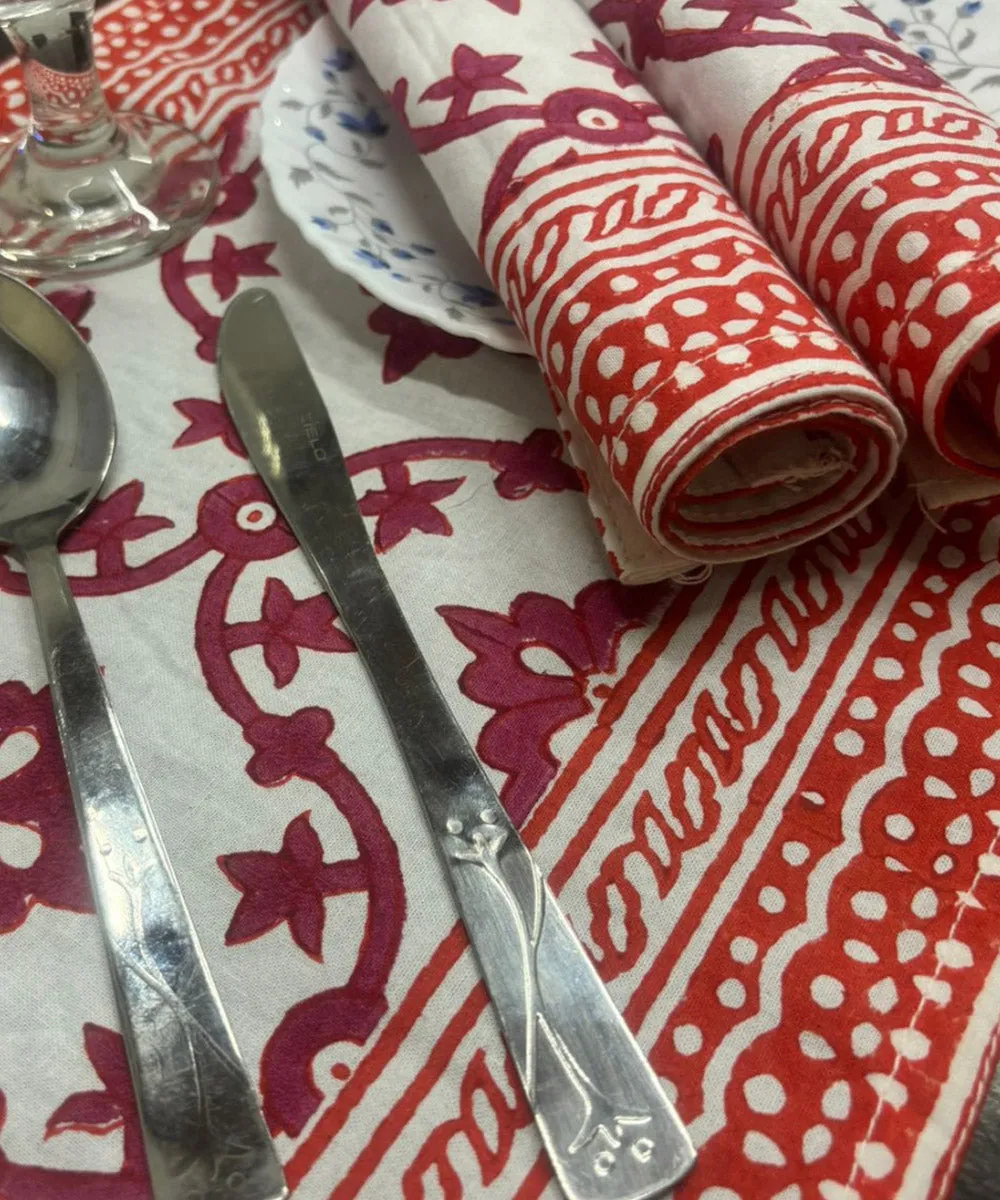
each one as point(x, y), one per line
point(202, 1128)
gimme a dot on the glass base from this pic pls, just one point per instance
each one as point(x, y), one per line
point(144, 187)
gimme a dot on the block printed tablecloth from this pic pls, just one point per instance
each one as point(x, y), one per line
point(769, 803)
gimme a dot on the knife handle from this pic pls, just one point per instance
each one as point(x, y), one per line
point(203, 1132)
point(609, 1129)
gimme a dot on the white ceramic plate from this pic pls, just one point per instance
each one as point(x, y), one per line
point(345, 172)
point(959, 38)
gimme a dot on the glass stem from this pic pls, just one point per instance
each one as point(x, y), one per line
point(69, 115)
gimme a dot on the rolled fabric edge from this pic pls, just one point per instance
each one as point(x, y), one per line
point(790, 495)
point(962, 413)
point(940, 484)
point(636, 557)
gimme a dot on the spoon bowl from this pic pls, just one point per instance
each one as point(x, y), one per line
point(57, 425)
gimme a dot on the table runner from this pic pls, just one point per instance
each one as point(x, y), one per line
point(879, 184)
point(768, 803)
point(713, 413)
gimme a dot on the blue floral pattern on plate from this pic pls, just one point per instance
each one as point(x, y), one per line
point(960, 38)
point(345, 173)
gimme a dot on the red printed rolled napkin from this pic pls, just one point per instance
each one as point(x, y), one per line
point(710, 407)
point(879, 184)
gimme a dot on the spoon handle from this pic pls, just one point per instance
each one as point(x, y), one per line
point(204, 1135)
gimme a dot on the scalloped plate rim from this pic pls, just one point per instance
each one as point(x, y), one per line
point(507, 339)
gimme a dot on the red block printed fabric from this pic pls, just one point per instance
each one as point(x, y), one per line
point(708, 403)
point(878, 183)
point(769, 803)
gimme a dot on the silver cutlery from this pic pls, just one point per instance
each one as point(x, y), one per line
point(609, 1129)
point(202, 1128)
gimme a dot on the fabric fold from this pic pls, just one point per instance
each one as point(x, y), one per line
point(877, 182)
point(710, 406)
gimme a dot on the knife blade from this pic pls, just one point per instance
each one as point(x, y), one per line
point(609, 1129)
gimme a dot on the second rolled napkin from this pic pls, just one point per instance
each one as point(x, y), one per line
point(712, 410)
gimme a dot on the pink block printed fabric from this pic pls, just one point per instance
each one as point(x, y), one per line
point(710, 406)
point(769, 803)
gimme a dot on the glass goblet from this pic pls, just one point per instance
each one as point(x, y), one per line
point(83, 189)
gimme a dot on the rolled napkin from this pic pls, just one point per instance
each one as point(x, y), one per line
point(710, 407)
point(879, 184)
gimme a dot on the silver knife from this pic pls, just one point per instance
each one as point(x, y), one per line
point(607, 1125)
